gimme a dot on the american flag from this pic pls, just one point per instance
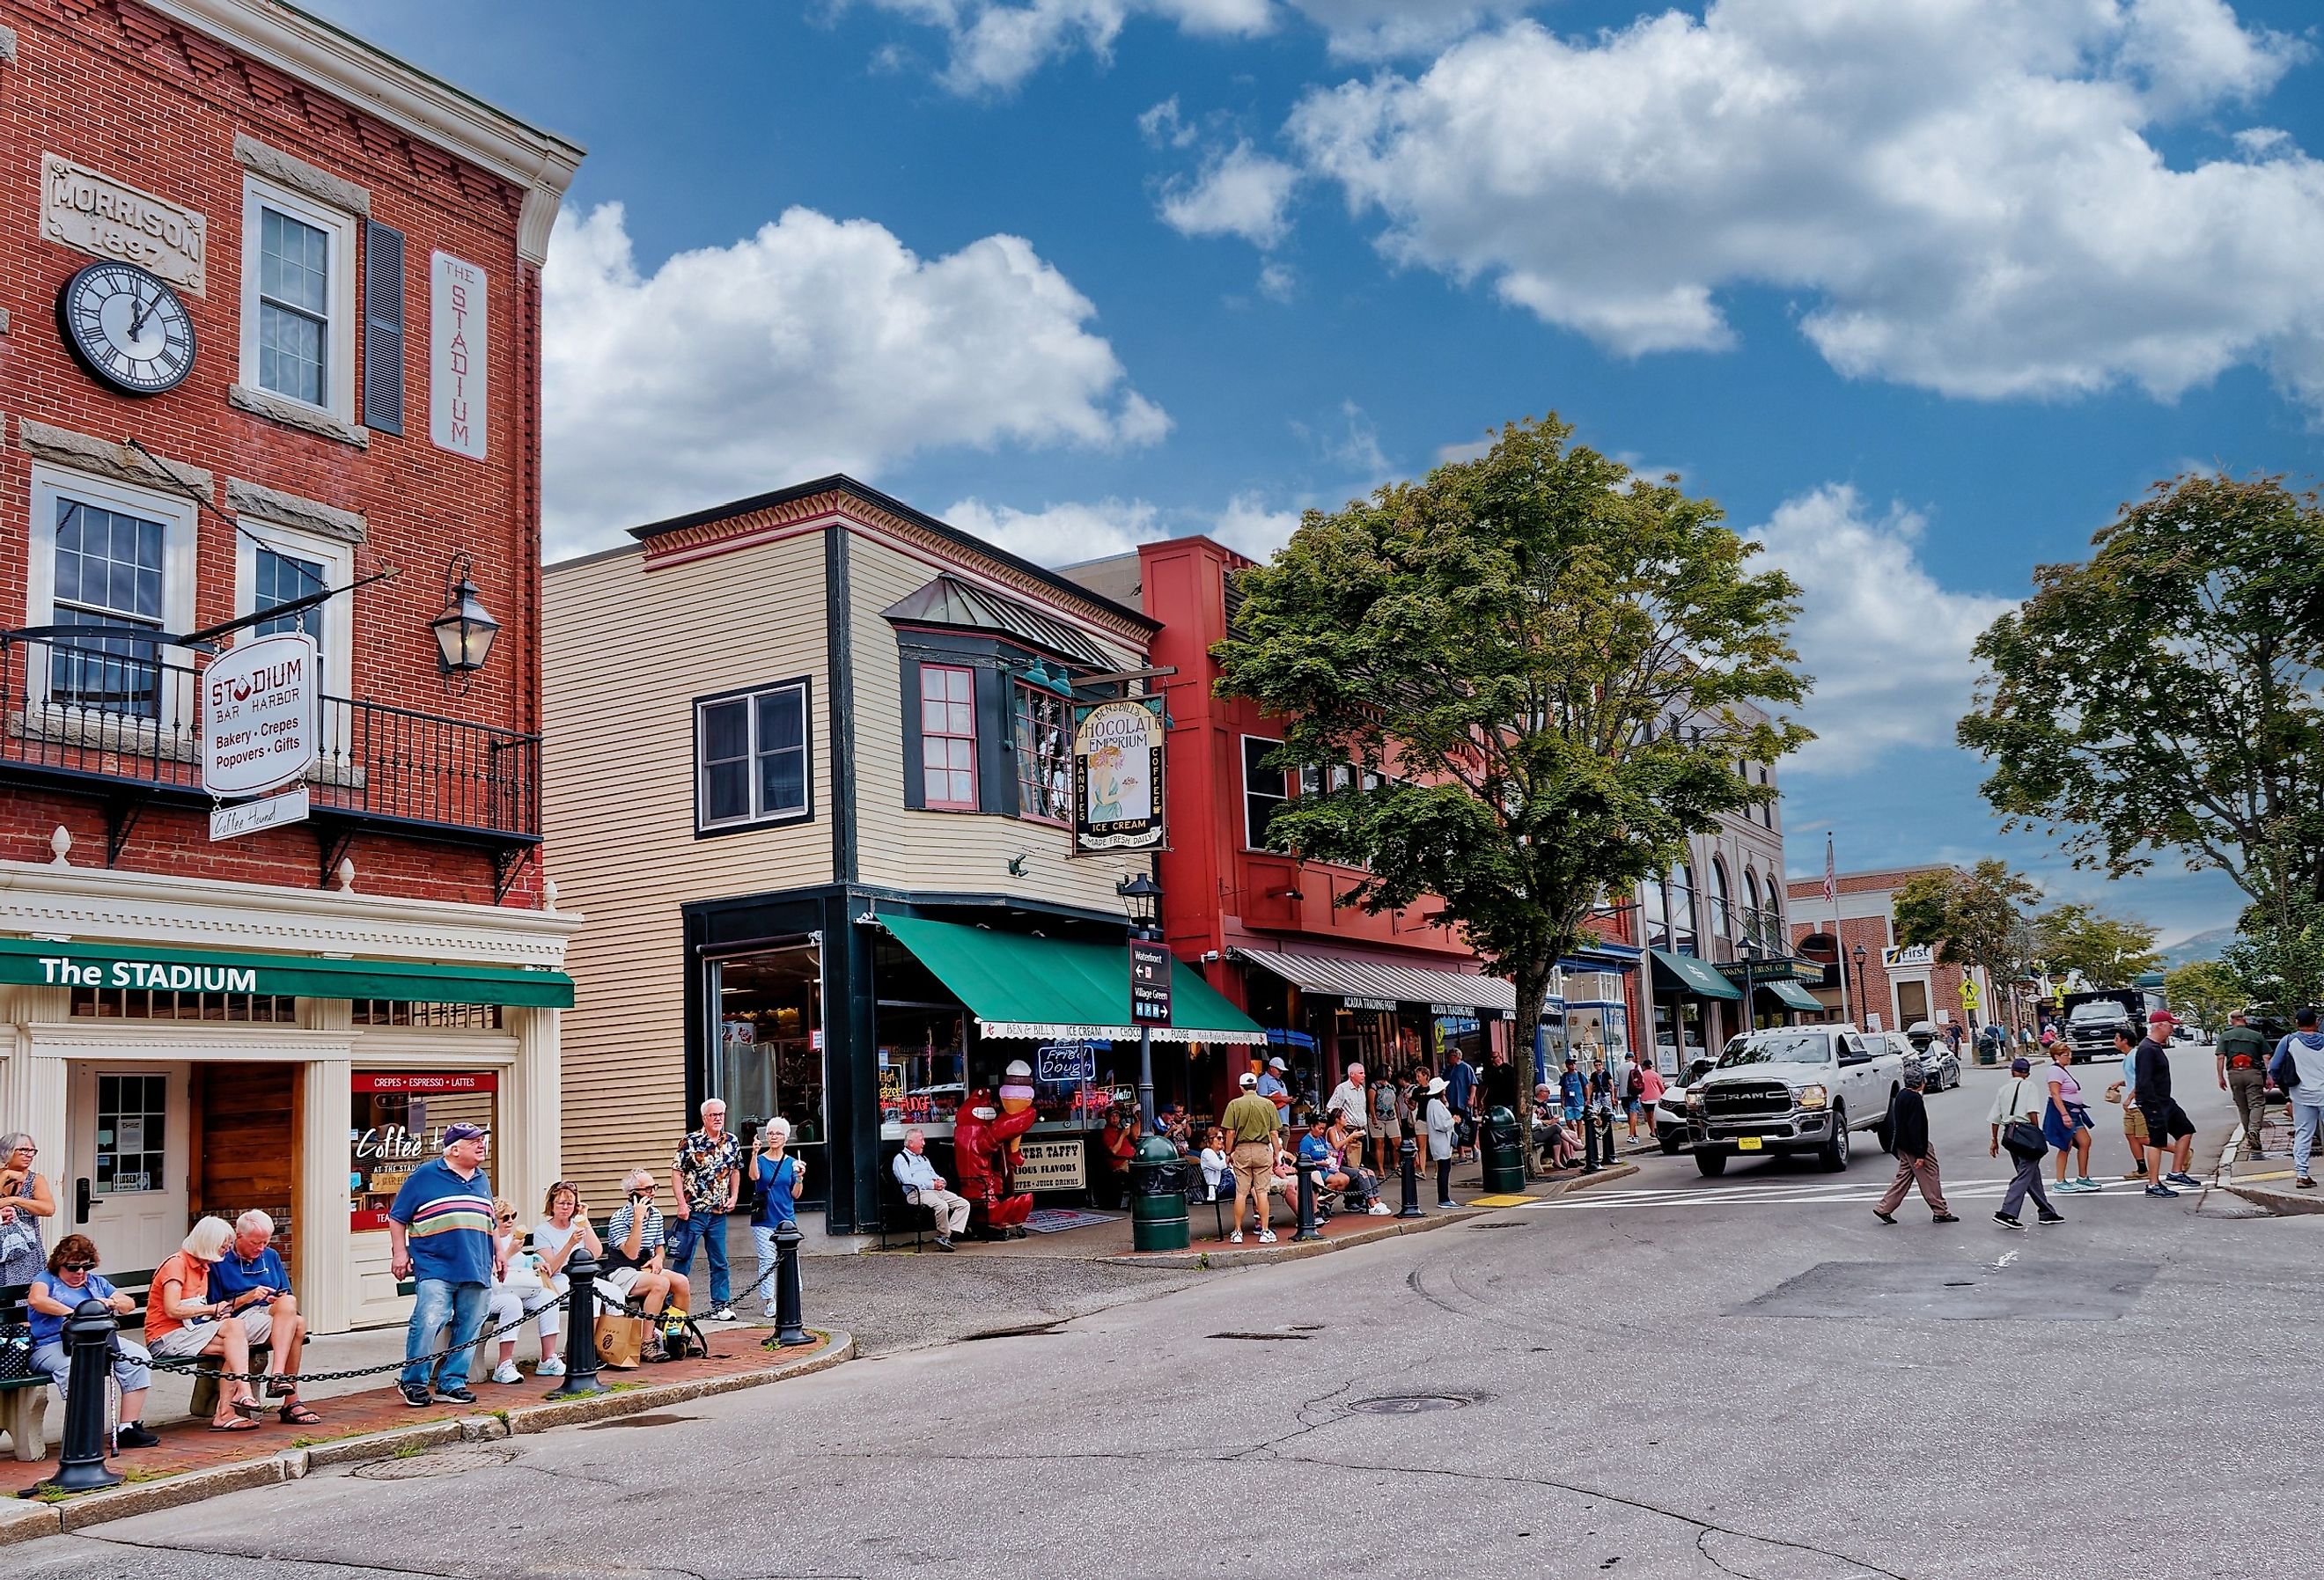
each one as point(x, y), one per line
point(1830, 879)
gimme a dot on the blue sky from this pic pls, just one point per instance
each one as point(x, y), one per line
point(1920, 291)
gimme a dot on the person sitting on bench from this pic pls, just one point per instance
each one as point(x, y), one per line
point(182, 1321)
point(71, 1278)
point(924, 1188)
point(633, 1242)
point(251, 1271)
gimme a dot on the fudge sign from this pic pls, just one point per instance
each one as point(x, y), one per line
point(260, 715)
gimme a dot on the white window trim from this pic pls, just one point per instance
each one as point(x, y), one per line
point(1242, 803)
point(339, 334)
point(757, 817)
point(337, 559)
point(178, 515)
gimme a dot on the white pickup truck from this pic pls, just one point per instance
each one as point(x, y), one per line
point(1794, 1089)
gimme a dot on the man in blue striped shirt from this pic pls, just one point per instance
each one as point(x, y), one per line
point(441, 1233)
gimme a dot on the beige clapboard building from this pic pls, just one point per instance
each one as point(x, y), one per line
point(807, 773)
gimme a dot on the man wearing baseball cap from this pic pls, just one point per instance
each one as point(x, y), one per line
point(1277, 1089)
point(441, 1233)
point(2169, 1131)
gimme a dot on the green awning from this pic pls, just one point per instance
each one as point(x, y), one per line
point(45, 962)
point(1684, 974)
point(1784, 991)
point(1049, 988)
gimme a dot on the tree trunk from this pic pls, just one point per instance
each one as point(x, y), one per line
point(1532, 984)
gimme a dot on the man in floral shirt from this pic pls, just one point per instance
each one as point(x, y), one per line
point(702, 1189)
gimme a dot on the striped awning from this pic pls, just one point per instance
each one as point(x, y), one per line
point(1370, 983)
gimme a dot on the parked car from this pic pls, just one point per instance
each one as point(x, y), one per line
point(1794, 1089)
point(1939, 1064)
point(1670, 1111)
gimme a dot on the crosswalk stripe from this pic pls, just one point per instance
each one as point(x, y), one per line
point(1836, 1193)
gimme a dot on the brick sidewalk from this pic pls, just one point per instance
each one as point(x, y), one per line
point(736, 1358)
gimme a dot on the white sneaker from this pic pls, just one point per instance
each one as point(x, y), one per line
point(553, 1367)
point(1236, 1238)
point(1380, 1210)
point(506, 1372)
point(723, 1314)
point(1267, 1236)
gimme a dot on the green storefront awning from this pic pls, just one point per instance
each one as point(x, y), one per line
point(1784, 991)
point(1684, 974)
point(47, 963)
point(1052, 989)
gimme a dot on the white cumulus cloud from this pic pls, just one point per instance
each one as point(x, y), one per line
point(1078, 529)
point(1959, 194)
point(1377, 29)
point(814, 344)
point(1888, 646)
point(1240, 192)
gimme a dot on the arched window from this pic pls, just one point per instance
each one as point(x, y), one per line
point(1820, 946)
point(1754, 920)
point(1683, 938)
point(1653, 914)
point(1722, 900)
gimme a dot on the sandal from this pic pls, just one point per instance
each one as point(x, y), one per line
point(295, 1413)
point(239, 1424)
point(281, 1388)
point(249, 1409)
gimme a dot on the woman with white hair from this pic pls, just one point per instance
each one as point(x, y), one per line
point(182, 1320)
point(780, 1177)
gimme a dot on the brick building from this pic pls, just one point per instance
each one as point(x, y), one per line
point(1893, 984)
point(269, 307)
point(1332, 983)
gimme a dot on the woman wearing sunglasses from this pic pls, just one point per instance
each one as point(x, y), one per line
point(71, 1278)
point(517, 1293)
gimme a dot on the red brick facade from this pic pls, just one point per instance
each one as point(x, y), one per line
point(1876, 988)
point(157, 105)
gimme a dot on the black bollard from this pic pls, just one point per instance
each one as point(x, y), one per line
point(1307, 1229)
point(580, 1329)
point(1590, 1140)
point(1409, 1151)
point(788, 1334)
point(89, 1339)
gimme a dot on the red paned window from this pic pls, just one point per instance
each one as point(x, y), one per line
point(948, 737)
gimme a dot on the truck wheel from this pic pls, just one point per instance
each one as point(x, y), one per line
point(1833, 1153)
point(1712, 1164)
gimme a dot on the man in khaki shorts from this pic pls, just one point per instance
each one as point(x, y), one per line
point(1253, 1140)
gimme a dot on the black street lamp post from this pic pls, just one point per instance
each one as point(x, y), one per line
point(1863, 1004)
point(1143, 898)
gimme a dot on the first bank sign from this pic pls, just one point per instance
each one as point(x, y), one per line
point(162, 975)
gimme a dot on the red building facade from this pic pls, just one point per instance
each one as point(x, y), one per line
point(1333, 983)
point(272, 332)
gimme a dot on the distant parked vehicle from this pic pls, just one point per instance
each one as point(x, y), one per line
point(1670, 1111)
point(1939, 1064)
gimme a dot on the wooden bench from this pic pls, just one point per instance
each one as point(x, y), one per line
point(24, 1411)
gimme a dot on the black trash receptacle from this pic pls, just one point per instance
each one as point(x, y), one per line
point(1504, 1153)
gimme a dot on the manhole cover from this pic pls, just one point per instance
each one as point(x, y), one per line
point(444, 1462)
point(1408, 1404)
point(660, 1418)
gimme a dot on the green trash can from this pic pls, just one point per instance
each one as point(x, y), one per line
point(1158, 1202)
point(1504, 1153)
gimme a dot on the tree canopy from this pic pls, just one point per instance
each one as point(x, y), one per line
point(2279, 958)
point(1539, 673)
point(2074, 939)
point(1974, 918)
point(2210, 989)
point(2164, 696)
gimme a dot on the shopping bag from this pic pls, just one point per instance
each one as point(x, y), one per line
point(620, 1340)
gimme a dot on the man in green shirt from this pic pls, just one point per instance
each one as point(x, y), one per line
point(1252, 1141)
point(2243, 1053)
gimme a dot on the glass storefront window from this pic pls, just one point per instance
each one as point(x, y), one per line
point(923, 1066)
point(396, 1123)
point(770, 1048)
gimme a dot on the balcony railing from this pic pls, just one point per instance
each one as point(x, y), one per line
point(109, 714)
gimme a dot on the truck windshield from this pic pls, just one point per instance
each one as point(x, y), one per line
point(2099, 1010)
point(1779, 1047)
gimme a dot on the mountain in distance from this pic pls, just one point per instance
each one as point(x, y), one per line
point(2203, 945)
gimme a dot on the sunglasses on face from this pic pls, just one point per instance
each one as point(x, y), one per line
point(77, 1267)
point(507, 1217)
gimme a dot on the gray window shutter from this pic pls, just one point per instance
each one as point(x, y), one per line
point(383, 392)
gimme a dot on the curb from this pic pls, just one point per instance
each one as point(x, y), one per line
point(30, 1521)
point(2281, 1203)
point(1236, 1256)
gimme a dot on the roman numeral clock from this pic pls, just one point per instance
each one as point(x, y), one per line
point(127, 328)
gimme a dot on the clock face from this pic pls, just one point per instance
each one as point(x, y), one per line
point(127, 328)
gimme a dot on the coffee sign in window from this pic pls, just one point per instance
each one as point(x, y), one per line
point(397, 1123)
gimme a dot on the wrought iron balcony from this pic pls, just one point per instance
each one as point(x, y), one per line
point(110, 717)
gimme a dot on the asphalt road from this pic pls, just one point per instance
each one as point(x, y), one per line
point(1746, 1377)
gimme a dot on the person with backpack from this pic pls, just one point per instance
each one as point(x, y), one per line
point(2298, 1068)
point(2017, 1122)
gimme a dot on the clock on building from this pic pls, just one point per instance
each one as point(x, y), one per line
point(127, 328)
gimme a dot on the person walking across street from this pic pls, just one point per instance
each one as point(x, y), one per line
point(2017, 1122)
point(2066, 1119)
point(1254, 1139)
point(2242, 1057)
point(702, 1184)
point(1916, 1156)
point(439, 1234)
point(2298, 1069)
point(1442, 1128)
point(2169, 1133)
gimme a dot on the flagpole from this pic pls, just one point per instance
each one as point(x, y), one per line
point(1839, 944)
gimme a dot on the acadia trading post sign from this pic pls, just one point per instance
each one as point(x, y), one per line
point(1118, 775)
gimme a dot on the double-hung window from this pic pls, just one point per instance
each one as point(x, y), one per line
point(112, 557)
point(1265, 790)
point(948, 737)
point(1042, 729)
point(751, 763)
point(298, 299)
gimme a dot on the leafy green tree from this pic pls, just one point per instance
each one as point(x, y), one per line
point(2208, 990)
point(1540, 674)
point(2279, 958)
point(2164, 696)
point(1973, 918)
point(2073, 939)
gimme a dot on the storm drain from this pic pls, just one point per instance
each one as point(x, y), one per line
point(1408, 1404)
point(447, 1462)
